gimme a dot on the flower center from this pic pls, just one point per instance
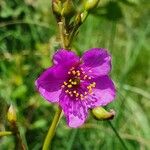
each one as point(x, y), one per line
point(79, 84)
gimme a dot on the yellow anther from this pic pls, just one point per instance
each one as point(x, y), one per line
point(85, 76)
point(89, 87)
point(69, 86)
point(73, 72)
point(90, 91)
point(67, 91)
point(72, 68)
point(74, 83)
point(78, 73)
point(65, 83)
point(70, 80)
point(74, 91)
point(94, 83)
point(77, 94)
point(81, 95)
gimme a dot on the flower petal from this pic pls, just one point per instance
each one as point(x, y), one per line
point(63, 56)
point(98, 61)
point(49, 83)
point(74, 110)
point(103, 93)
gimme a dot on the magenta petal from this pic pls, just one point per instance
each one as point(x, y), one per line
point(74, 110)
point(63, 56)
point(103, 93)
point(98, 61)
point(49, 83)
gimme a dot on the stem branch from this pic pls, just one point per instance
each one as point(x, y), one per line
point(5, 133)
point(52, 129)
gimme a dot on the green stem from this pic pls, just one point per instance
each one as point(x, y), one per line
point(52, 129)
point(5, 133)
point(119, 137)
point(19, 145)
point(62, 34)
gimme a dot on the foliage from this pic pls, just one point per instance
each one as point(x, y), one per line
point(27, 42)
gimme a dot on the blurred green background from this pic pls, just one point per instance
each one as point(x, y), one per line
point(27, 42)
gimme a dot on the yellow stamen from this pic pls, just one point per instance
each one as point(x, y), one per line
point(69, 86)
point(70, 80)
point(72, 68)
point(65, 83)
point(77, 94)
point(78, 73)
point(90, 90)
point(89, 87)
point(81, 95)
point(67, 91)
point(74, 83)
point(94, 83)
point(85, 76)
point(73, 72)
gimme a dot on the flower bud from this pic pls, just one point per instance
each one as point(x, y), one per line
point(90, 4)
point(100, 113)
point(78, 19)
point(56, 7)
point(68, 8)
point(11, 114)
point(84, 16)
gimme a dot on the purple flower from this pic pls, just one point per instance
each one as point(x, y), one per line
point(78, 84)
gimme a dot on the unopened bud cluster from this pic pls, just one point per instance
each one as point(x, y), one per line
point(70, 14)
point(70, 8)
point(63, 8)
